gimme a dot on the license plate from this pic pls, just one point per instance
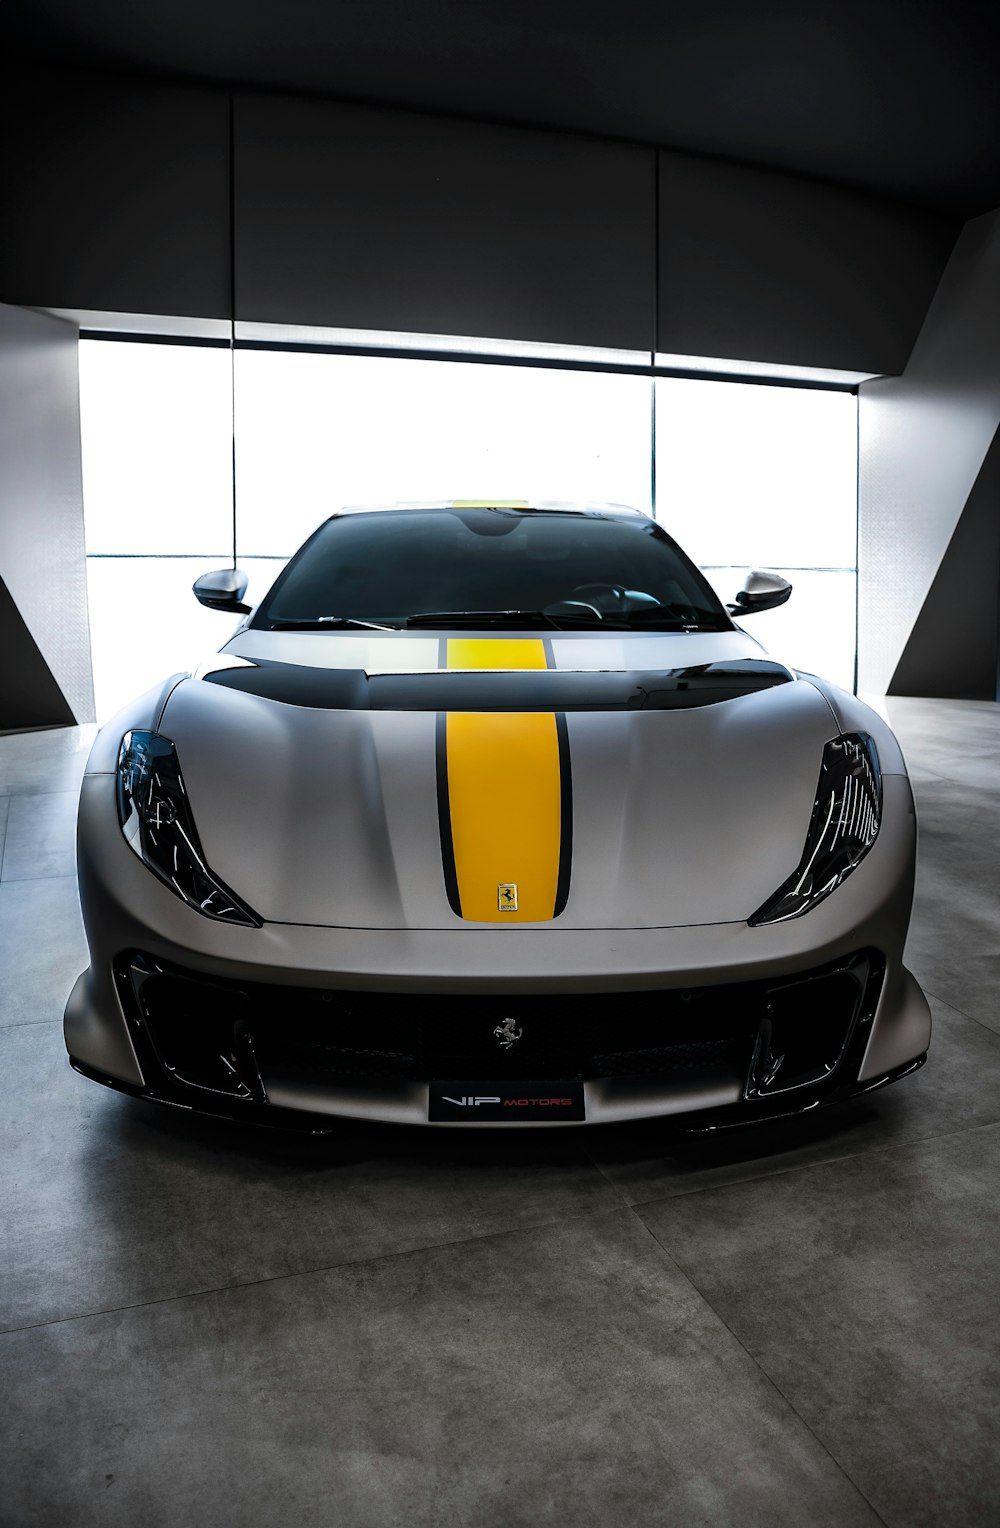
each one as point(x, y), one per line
point(505, 1103)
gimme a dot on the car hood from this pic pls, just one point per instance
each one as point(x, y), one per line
point(409, 783)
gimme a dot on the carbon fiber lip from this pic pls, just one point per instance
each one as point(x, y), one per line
point(272, 1117)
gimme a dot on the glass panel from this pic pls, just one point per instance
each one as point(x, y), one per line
point(156, 430)
point(315, 432)
point(750, 476)
point(763, 476)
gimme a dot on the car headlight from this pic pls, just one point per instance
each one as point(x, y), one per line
point(844, 825)
point(156, 819)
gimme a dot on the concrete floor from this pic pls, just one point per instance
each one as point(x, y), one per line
point(205, 1325)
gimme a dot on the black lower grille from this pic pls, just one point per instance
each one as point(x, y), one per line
point(203, 1031)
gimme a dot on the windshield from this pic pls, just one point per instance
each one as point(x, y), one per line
point(488, 567)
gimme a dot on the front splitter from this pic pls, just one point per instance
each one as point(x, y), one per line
point(714, 1114)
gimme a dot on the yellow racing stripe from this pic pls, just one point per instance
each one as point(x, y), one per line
point(496, 653)
point(505, 795)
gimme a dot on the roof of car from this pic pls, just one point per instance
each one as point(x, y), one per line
point(582, 506)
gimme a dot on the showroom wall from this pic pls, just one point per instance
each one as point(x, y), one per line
point(929, 507)
point(354, 217)
point(118, 198)
point(45, 675)
point(115, 195)
point(768, 267)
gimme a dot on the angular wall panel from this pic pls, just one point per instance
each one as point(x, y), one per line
point(29, 695)
point(923, 440)
point(42, 554)
point(953, 647)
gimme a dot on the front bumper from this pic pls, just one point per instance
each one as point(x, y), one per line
point(717, 1055)
point(606, 977)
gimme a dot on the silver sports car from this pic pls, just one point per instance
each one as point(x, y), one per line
point(491, 813)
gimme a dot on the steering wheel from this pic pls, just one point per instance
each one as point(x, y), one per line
point(573, 608)
point(604, 598)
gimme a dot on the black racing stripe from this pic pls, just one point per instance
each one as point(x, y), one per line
point(444, 816)
point(565, 798)
point(565, 817)
point(555, 690)
point(294, 684)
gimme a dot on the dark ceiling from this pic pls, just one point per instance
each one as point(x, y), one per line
point(901, 97)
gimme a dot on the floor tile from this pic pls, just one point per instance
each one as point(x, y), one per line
point(958, 1089)
point(867, 1289)
point(4, 812)
point(111, 1201)
point(565, 1375)
point(52, 759)
point(43, 948)
point(954, 940)
point(957, 740)
point(41, 836)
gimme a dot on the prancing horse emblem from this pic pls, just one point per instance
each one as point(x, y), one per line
point(506, 1033)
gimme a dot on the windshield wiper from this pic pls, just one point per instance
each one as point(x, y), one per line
point(446, 618)
point(670, 616)
point(329, 623)
point(660, 615)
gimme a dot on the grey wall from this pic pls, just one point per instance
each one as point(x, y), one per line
point(954, 646)
point(924, 439)
point(117, 197)
point(352, 217)
point(45, 677)
point(767, 267)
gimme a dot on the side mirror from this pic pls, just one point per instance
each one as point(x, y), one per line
point(761, 591)
point(222, 590)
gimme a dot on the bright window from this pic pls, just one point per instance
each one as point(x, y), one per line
point(753, 476)
point(746, 475)
point(319, 431)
